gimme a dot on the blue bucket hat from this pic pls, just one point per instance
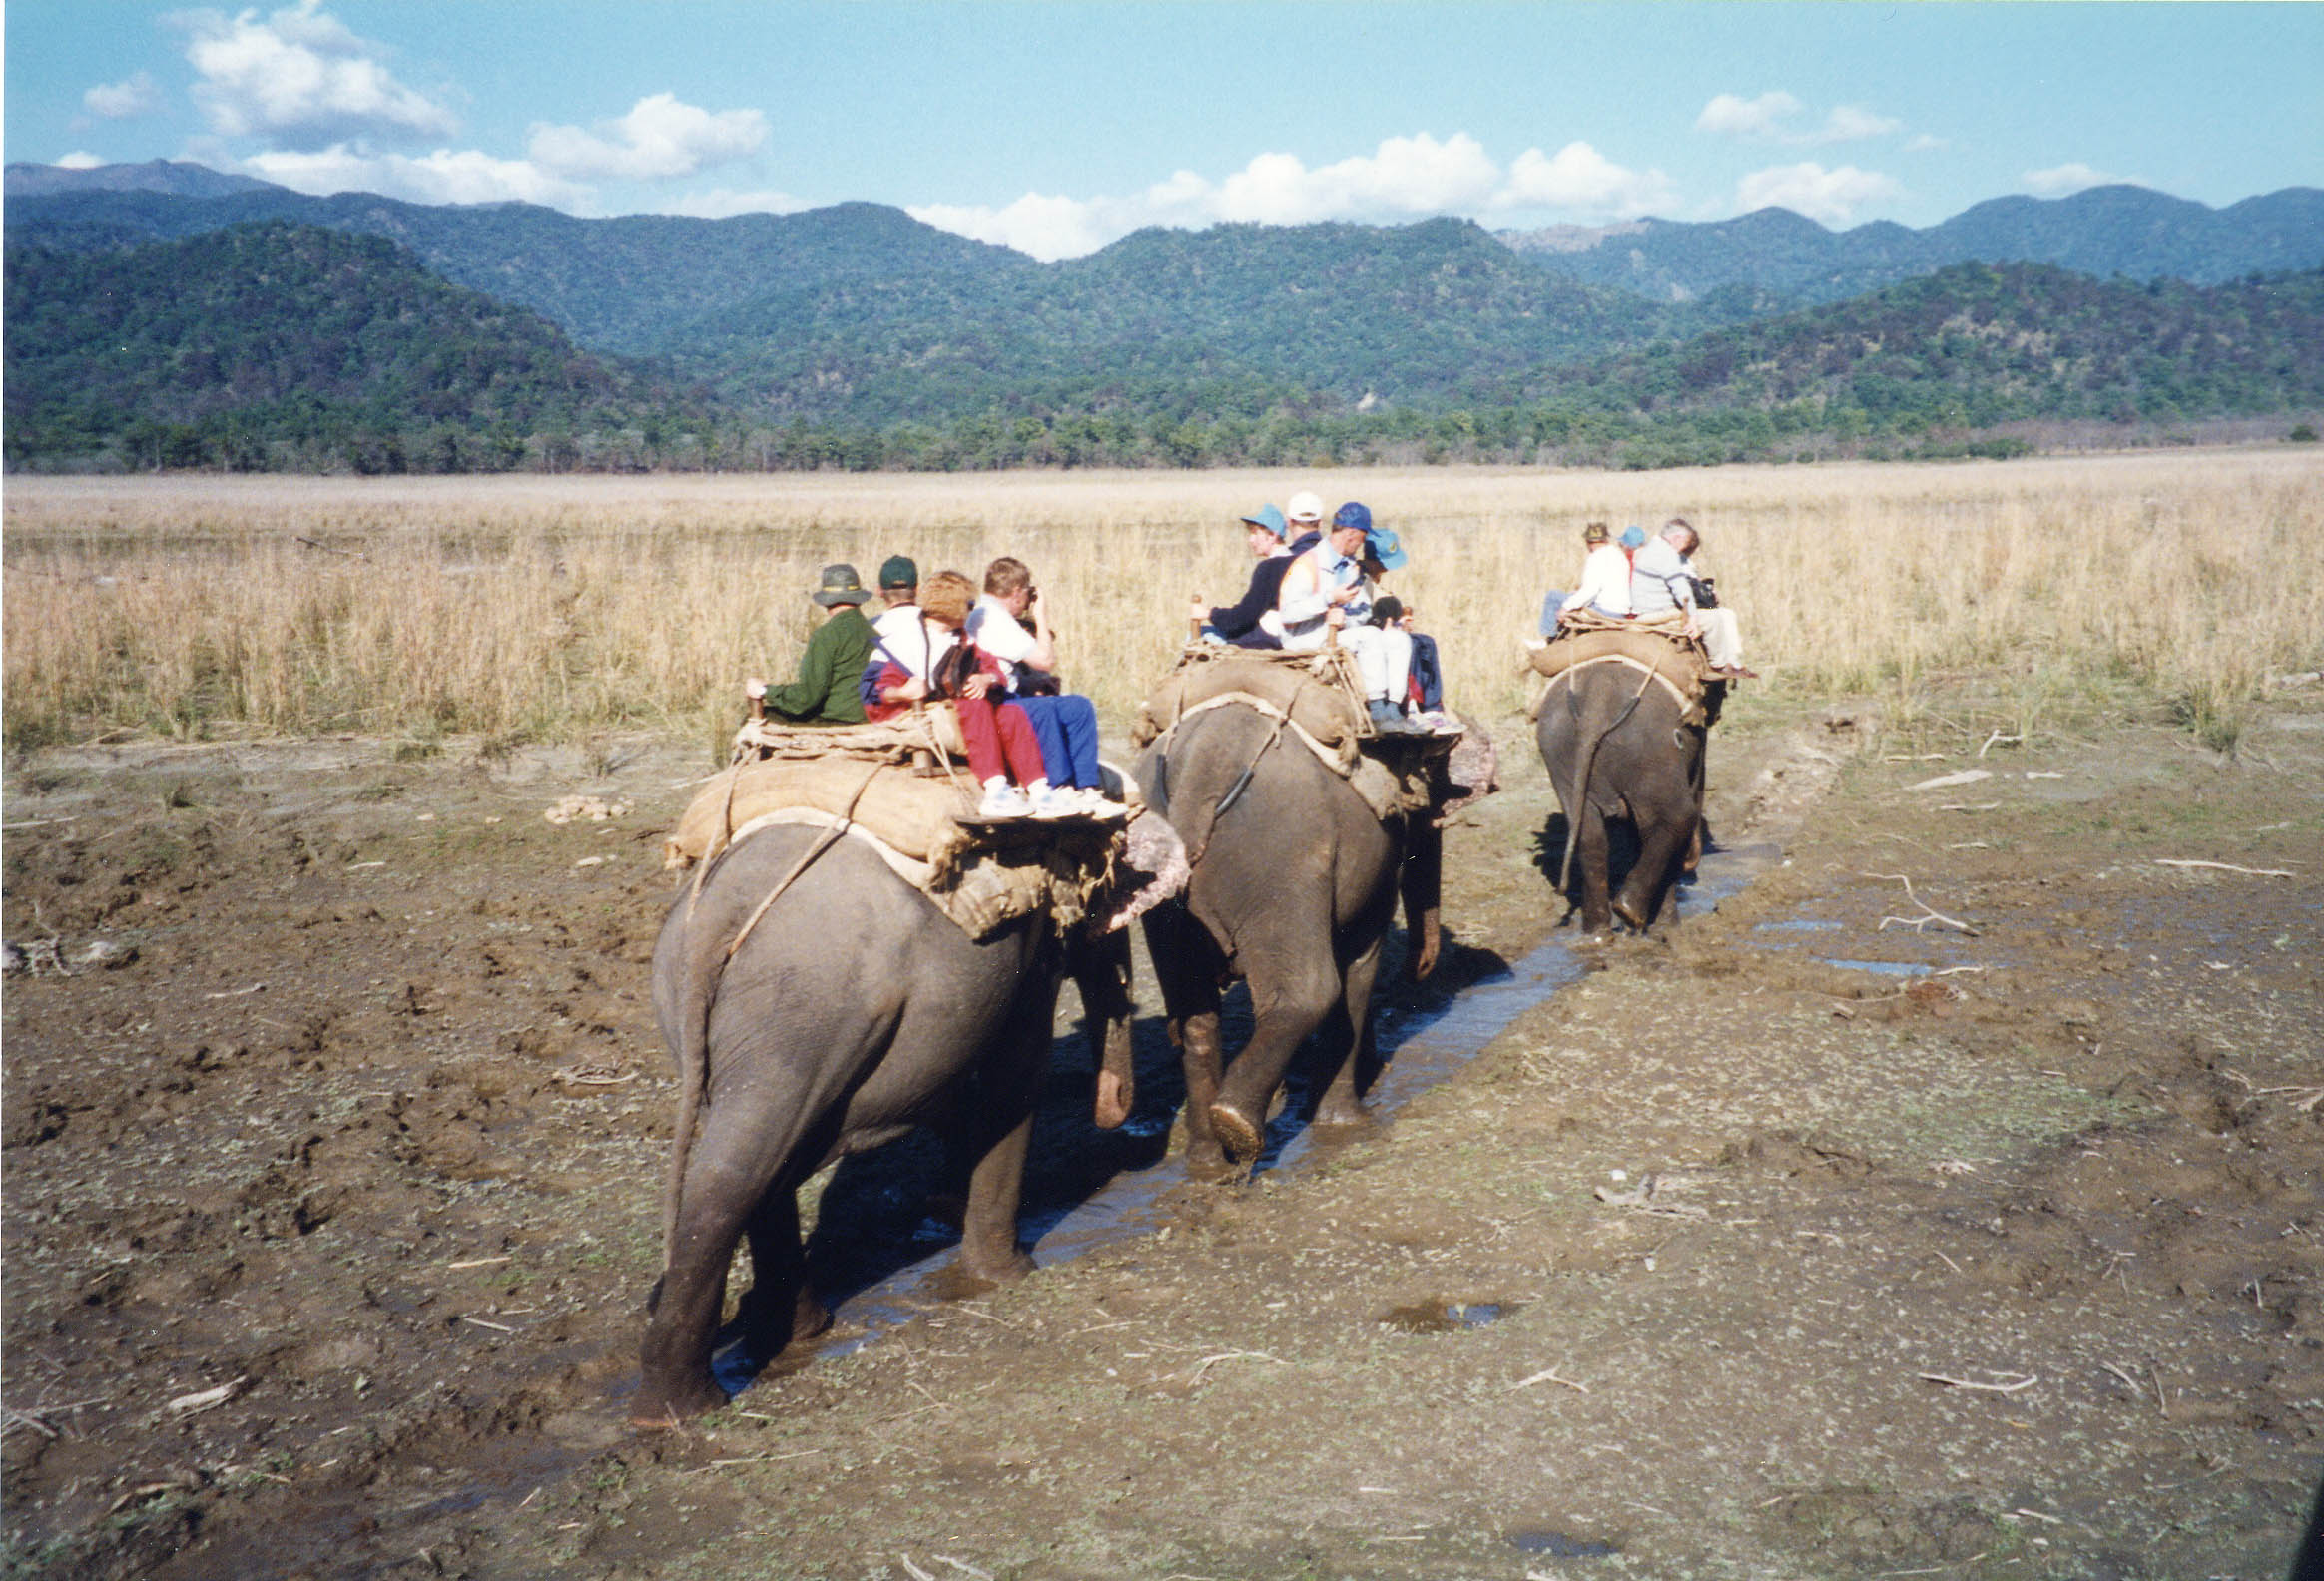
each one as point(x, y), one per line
point(1634, 537)
point(1268, 517)
point(1353, 514)
point(1383, 544)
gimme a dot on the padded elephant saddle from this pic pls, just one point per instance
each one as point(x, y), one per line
point(874, 784)
point(1654, 655)
point(1319, 698)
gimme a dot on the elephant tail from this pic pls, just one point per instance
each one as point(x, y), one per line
point(692, 1056)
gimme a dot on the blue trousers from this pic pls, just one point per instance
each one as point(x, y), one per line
point(1066, 727)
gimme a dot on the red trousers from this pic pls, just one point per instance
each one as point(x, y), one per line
point(1001, 739)
point(998, 735)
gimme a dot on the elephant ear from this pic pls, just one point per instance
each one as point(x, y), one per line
point(1470, 772)
point(1149, 868)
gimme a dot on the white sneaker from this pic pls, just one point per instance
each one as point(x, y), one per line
point(1004, 801)
point(1098, 804)
point(1056, 802)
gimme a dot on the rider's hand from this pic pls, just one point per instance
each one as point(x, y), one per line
point(909, 690)
point(1197, 609)
point(976, 685)
point(753, 689)
point(1336, 616)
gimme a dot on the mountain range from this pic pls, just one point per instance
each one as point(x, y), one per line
point(857, 336)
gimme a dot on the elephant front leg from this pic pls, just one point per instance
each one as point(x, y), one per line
point(1339, 1105)
point(1003, 1122)
point(1597, 913)
point(1203, 1058)
point(780, 1306)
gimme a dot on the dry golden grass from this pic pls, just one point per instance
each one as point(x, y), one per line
point(554, 606)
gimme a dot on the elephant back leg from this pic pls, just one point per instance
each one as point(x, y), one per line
point(755, 1145)
point(1293, 970)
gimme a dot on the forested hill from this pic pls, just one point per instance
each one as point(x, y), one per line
point(617, 285)
point(1239, 317)
point(1974, 346)
point(2105, 230)
point(283, 345)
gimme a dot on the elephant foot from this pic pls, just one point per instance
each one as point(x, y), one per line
point(1629, 911)
point(1236, 1131)
point(663, 1408)
point(1208, 1161)
point(1349, 1115)
point(1000, 1270)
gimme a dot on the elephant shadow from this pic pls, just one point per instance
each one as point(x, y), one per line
point(1621, 855)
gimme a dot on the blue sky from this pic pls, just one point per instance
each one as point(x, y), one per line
point(1055, 128)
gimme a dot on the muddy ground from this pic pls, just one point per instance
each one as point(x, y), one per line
point(328, 1215)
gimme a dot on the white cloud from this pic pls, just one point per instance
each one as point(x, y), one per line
point(659, 139)
point(722, 203)
point(1852, 122)
point(301, 77)
point(1831, 195)
point(1405, 179)
point(447, 176)
point(1731, 115)
point(1580, 179)
point(81, 160)
point(1408, 177)
point(2061, 180)
point(140, 95)
point(1768, 116)
point(1923, 142)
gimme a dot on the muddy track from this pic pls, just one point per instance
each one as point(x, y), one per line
point(329, 1210)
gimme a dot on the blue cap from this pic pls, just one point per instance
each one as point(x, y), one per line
point(1634, 537)
point(1383, 544)
point(1352, 514)
point(1268, 517)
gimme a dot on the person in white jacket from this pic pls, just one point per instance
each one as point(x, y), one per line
point(1605, 582)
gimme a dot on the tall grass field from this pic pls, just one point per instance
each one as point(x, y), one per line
point(553, 608)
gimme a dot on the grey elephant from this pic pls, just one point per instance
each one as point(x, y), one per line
point(1622, 744)
point(852, 1011)
point(1293, 882)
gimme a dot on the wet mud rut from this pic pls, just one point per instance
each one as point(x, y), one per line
point(1813, 1234)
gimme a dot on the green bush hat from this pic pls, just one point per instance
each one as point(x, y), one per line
point(898, 572)
point(841, 585)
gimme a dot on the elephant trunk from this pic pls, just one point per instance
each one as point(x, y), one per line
point(1421, 882)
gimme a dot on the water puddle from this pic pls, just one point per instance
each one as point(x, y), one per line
point(1557, 1545)
point(1884, 969)
point(1446, 1317)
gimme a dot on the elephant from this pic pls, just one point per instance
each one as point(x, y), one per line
point(1293, 882)
point(1620, 746)
point(850, 1011)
